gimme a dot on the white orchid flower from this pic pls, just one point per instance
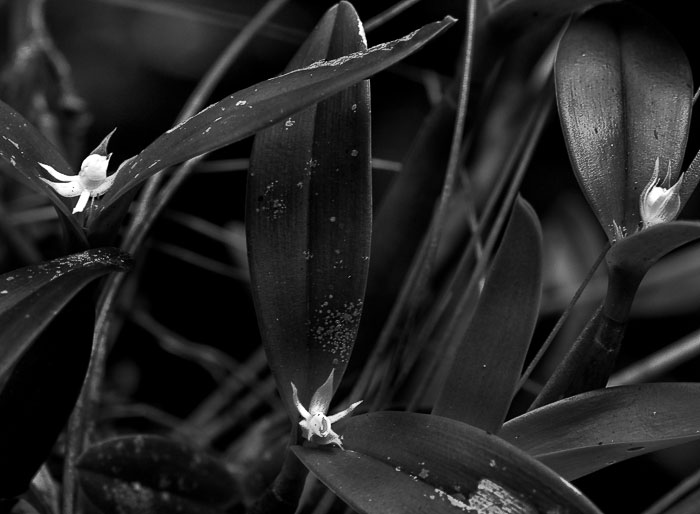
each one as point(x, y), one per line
point(660, 203)
point(90, 182)
point(315, 422)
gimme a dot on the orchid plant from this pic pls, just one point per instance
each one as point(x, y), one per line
point(406, 298)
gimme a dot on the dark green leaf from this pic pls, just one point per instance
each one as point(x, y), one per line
point(153, 474)
point(30, 297)
point(486, 368)
point(24, 148)
point(309, 220)
point(406, 462)
point(624, 91)
point(243, 113)
point(579, 435)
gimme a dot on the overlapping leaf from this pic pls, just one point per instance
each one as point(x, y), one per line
point(579, 435)
point(309, 219)
point(486, 368)
point(406, 462)
point(243, 113)
point(30, 297)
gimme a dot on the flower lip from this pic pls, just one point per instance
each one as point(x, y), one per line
point(93, 171)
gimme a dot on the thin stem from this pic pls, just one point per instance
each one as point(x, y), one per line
point(675, 494)
point(660, 362)
point(562, 319)
point(422, 266)
point(384, 16)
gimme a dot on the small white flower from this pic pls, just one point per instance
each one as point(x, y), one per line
point(91, 181)
point(660, 203)
point(315, 422)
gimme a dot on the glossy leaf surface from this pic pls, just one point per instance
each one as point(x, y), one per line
point(624, 92)
point(487, 366)
point(153, 474)
point(243, 113)
point(30, 297)
point(579, 435)
point(407, 462)
point(309, 220)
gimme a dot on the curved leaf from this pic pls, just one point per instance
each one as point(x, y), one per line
point(308, 222)
point(24, 147)
point(153, 474)
point(30, 297)
point(638, 252)
point(579, 435)
point(487, 366)
point(243, 113)
point(624, 92)
point(407, 462)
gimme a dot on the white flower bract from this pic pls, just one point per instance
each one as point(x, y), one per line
point(315, 422)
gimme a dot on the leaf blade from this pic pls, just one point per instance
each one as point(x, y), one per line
point(581, 434)
point(251, 109)
point(409, 457)
point(309, 223)
point(500, 332)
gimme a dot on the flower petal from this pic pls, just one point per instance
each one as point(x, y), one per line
point(340, 415)
point(321, 399)
point(302, 410)
point(82, 201)
point(67, 189)
point(58, 175)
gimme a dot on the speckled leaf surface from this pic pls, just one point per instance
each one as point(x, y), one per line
point(141, 474)
point(243, 113)
point(30, 297)
point(398, 462)
point(624, 93)
point(488, 363)
point(579, 435)
point(23, 147)
point(308, 222)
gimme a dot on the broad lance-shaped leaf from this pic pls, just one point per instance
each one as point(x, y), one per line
point(486, 368)
point(30, 297)
point(406, 462)
point(155, 473)
point(261, 105)
point(579, 435)
point(308, 222)
point(23, 147)
point(624, 92)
